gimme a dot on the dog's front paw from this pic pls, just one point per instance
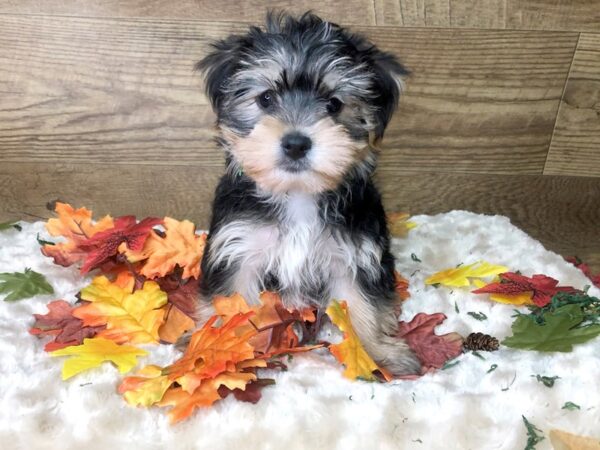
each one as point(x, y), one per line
point(394, 354)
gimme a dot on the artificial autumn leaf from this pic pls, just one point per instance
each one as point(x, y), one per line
point(561, 440)
point(129, 317)
point(146, 387)
point(459, 276)
point(401, 286)
point(23, 285)
point(180, 246)
point(126, 234)
point(94, 352)
point(60, 323)
point(558, 333)
point(273, 322)
point(212, 351)
point(432, 350)
point(577, 262)
point(176, 323)
point(8, 225)
point(350, 351)
point(542, 287)
point(76, 226)
point(399, 225)
point(252, 393)
point(183, 294)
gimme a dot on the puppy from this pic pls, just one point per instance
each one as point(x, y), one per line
point(300, 106)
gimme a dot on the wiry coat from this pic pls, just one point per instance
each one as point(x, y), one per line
point(311, 227)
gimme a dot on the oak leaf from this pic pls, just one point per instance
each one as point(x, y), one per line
point(129, 317)
point(460, 276)
point(432, 350)
point(93, 352)
point(146, 387)
point(76, 226)
point(59, 323)
point(350, 351)
point(541, 287)
point(180, 246)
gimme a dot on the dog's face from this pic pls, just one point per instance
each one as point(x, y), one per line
point(300, 104)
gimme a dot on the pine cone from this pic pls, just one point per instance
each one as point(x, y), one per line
point(480, 341)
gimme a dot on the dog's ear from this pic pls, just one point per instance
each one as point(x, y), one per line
point(389, 73)
point(220, 65)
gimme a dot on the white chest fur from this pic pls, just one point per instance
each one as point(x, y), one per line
point(299, 249)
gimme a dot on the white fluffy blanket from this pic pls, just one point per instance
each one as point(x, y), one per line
point(312, 405)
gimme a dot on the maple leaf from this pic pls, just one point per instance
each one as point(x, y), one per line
point(176, 323)
point(60, 323)
point(559, 331)
point(129, 317)
point(94, 352)
point(76, 226)
point(23, 285)
point(459, 276)
point(399, 225)
point(350, 351)
point(183, 294)
point(180, 246)
point(126, 234)
point(146, 387)
point(272, 320)
point(212, 351)
point(432, 350)
point(541, 287)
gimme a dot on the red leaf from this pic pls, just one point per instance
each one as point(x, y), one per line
point(252, 393)
point(60, 323)
point(105, 244)
point(431, 349)
point(542, 286)
point(184, 296)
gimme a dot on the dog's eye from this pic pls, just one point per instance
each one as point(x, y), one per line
point(334, 105)
point(266, 99)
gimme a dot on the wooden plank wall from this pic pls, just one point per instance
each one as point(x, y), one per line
point(99, 105)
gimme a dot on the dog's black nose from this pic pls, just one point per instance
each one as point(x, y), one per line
point(296, 145)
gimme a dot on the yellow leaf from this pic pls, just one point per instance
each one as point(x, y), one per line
point(146, 387)
point(459, 276)
point(129, 317)
point(399, 224)
point(180, 246)
point(561, 440)
point(94, 352)
point(350, 351)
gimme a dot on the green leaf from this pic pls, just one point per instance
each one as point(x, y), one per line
point(8, 225)
point(546, 381)
point(415, 258)
point(492, 368)
point(479, 316)
point(533, 438)
point(449, 364)
point(42, 241)
point(23, 285)
point(558, 333)
point(571, 406)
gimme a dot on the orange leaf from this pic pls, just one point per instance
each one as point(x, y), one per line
point(211, 350)
point(399, 224)
point(76, 226)
point(176, 323)
point(179, 247)
point(185, 403)
point(401, 286)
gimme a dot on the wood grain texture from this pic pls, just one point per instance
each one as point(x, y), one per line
point(487, 14)
point(562, 212)
point(550, 15)
point(575, 147)
point(477, 101)
point(253, 11)
point(123, 90)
